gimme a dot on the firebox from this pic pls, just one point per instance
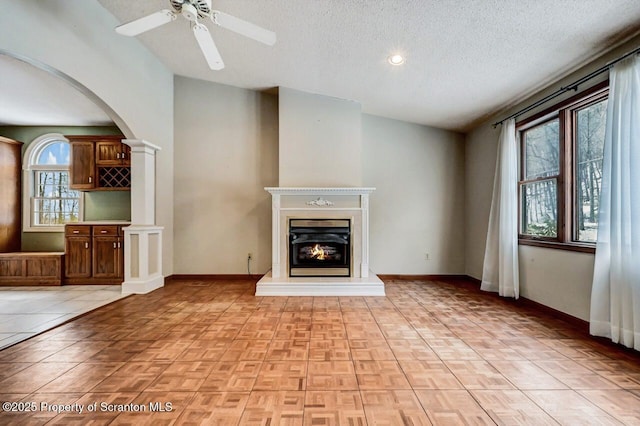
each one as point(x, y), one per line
point(319, 247)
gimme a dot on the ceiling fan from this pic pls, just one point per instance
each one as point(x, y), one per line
point(192, 10)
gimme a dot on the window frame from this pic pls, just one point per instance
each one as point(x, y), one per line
point(29, 170)
point(565, 112)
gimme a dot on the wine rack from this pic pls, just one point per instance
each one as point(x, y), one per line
point(114, 177)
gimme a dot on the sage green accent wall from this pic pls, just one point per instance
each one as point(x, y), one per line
point(99, 205)
point(107, 205)
point(43, 241)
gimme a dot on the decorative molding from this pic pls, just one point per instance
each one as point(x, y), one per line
point(318, 191)
point(320, 202)
point(141, 145)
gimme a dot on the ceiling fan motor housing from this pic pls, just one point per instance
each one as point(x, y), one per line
point(192, 9)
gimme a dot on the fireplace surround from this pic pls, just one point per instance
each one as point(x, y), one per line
point(291, 205)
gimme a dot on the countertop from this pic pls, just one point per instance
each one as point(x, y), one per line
point(103, 222)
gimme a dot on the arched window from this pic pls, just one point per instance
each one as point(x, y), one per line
point(49, 203)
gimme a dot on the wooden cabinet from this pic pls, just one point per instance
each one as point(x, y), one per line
point(100, 163)
point(94, 254)
point(107, 252)
point(82, 165)
point(77, 251)
point(10, 190)
point(112, 153)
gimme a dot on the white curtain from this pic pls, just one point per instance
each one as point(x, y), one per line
point(615, 295)
point(500, 269)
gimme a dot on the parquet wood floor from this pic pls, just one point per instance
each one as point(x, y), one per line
point(199, 352)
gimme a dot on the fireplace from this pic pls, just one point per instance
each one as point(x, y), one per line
point(319, 247)
point(320, 244)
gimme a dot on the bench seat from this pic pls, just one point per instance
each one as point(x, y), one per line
point(31, 268)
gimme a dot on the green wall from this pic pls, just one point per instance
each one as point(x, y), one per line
point(99, 205)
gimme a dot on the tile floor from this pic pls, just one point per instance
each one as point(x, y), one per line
point(428, 353)
point(27, 311)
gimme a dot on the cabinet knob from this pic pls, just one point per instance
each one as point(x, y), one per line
point(76, 231)
point(114, 245)
point(90, 179)
point(103, 232)
point(117, 155)
point(86, 245)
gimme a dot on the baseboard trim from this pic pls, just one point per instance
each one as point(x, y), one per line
point(427, 277)
point(578, 323)
point(213, 277)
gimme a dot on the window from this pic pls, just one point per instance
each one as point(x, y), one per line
point(49, 203)
point(561, 171)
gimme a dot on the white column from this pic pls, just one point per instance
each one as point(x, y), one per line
point(364, 206)
point(275, 235)
point(143, 239)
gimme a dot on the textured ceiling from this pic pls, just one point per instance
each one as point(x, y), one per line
point(465, 59)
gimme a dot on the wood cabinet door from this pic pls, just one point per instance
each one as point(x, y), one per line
point(77, 261)
point(106, 257)
point(109, 153)
point(82, 167)
point(125, 154)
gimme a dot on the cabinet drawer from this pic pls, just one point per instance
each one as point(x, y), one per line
point(77, 230)
point(105, 230)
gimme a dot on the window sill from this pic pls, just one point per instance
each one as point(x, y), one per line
point(44, 229)
point(582, 248)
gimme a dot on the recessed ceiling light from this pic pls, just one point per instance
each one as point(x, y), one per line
point(396, 59)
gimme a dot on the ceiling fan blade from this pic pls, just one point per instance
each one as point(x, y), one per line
point(243, 27)
point(208, 47)
point(146, 23)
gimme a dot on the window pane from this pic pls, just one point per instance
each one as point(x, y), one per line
point(590, 125)
point(54, 153)
point(540, 208)
point(541, 150)
point(54, 203)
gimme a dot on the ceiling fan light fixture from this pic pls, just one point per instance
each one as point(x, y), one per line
point(396, 59)
point(189, 12)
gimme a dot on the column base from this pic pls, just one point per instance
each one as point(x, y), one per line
point(143, 286)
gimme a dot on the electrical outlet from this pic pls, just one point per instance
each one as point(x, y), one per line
point(426, 256)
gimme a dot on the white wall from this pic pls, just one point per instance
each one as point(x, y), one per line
point(418, 206)
point(76, 40)
point(555, 278)
point(320, 140)
point(226, 141)
point(480, 162)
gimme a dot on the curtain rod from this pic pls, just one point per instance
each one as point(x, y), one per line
point(572, 86)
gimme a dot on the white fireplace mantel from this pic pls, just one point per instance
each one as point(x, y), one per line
point(320, 203)
point(319, 191)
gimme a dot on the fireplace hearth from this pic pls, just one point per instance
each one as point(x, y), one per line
point(319, 248)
